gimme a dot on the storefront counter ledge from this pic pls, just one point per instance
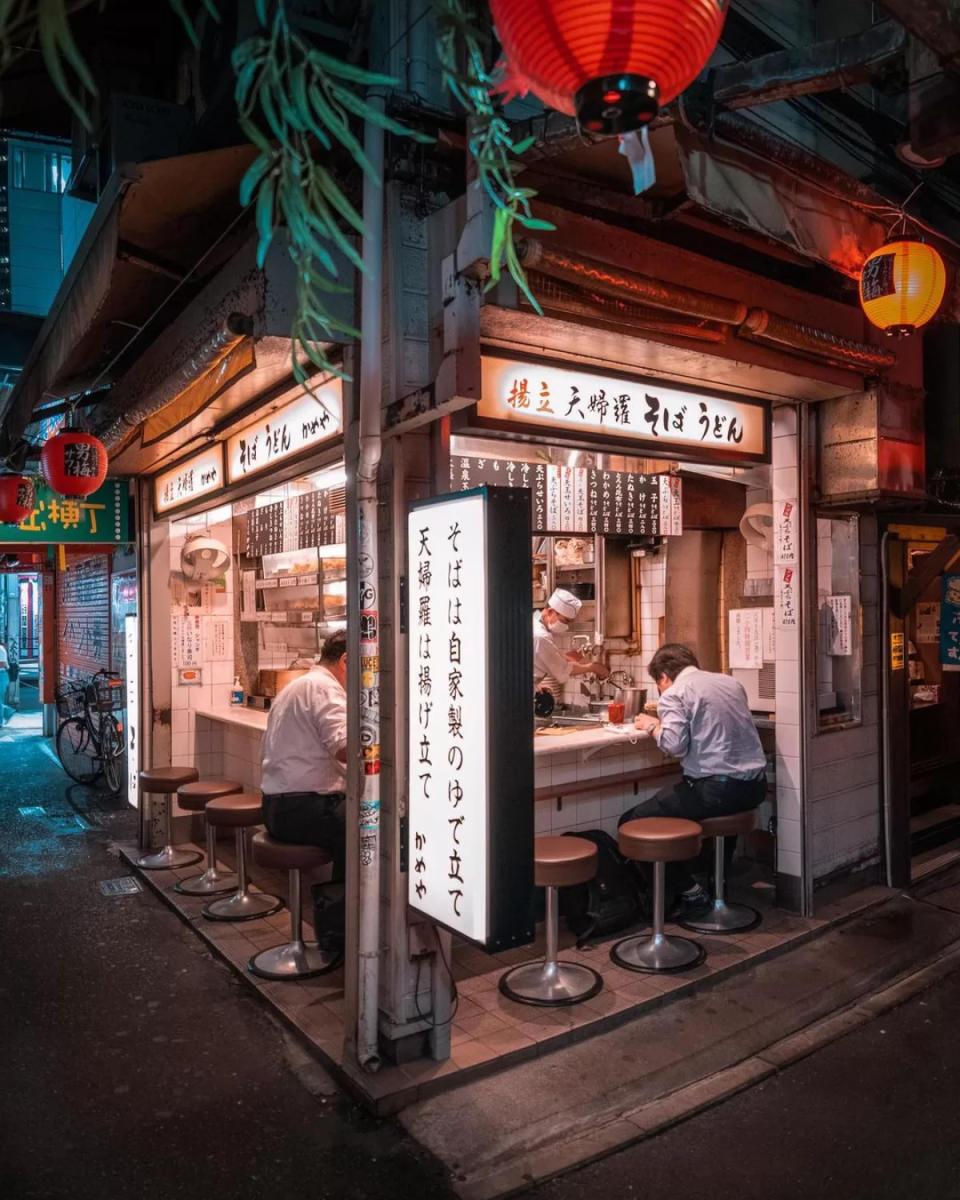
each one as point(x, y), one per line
point(235, 714)
point(587, 742)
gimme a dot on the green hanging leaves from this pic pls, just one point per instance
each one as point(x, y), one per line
point(463, 46)
point(295, 104)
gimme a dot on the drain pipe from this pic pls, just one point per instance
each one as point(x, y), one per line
point(885, 710)
point(371, 324)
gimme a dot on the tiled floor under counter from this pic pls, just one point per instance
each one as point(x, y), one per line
point(488, 1031)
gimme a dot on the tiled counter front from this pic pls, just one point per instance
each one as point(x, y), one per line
point(229, 743)
point(590, 758)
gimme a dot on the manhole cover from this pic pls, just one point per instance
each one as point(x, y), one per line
point(126, 885)
point(32, 810)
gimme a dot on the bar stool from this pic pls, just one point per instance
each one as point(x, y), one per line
point(293, 959)
point(558, 862)
point(722, 917)
point(658, 840)
point(163, 781)
point(194, 797)
point(239, 812)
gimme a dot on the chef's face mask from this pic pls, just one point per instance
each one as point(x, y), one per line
point(558, 625)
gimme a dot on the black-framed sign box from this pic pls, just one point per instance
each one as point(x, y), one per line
point(470, 709)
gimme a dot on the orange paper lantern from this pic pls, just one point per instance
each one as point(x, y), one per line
point(16, 499)
point(902, 285)
point(611, 63)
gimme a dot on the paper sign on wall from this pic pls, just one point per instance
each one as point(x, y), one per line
point(769, 635)
point(786, 597)
point(838, 615)
point(746, 638)
point(786, 533)
point(928, 623)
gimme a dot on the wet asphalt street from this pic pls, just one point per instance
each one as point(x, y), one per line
point(134, 1066)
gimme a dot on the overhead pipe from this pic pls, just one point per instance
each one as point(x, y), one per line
point(629, 285)
point(756, 324)
point(120, 417)
point(368, 809)
point(767, 327)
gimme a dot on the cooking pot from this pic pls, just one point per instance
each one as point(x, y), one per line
point(632, 699)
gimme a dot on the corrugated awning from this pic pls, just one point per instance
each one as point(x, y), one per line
point(160, 231)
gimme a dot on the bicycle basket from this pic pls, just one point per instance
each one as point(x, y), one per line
point(70, 701)
point(106, 695)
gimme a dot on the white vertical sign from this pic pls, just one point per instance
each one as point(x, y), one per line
point(131, 634)
point(786, 533)
point(447, 704)
point(840, 625)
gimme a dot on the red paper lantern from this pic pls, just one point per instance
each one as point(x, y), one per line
point(611, 63)
point(74, 463)
point(16, 499)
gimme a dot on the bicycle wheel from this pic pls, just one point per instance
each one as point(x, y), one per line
point(76, 750)
point(111, 753)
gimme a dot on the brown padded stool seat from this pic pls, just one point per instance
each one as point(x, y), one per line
point(166, 779)
point(660, 839)
point(729, 826)
point(286, 856)
point(239, 811)
point(193, 796)
point(563, 861)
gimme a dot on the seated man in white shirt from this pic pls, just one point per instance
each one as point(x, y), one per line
point(704, 720)
point(304, 777)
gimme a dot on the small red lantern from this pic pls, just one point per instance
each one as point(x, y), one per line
point(611, 63)
point(16, 499)
point(74, 463)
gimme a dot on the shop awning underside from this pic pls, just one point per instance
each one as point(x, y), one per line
point(160, 231)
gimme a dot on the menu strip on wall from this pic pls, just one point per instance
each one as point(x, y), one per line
point(581, 499)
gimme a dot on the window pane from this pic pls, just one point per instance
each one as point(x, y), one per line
point(838, 634)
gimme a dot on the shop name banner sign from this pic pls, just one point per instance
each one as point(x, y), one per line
point(454, 801)
point(103, 517)
point(307, 422)
point(950, 623)
point(581, 499)
point(563, 402)
point(190, 480)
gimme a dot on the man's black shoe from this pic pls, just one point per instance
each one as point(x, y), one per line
point(686, 904)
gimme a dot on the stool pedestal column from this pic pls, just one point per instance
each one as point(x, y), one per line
point(659, 952)
point(553, 982)
point(294, 959)
point(722, 917)
point(243, 905)
point(213, 881)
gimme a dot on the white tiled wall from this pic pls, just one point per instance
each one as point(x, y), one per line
point(594, 809)
point(788, 683)
point(194, 741)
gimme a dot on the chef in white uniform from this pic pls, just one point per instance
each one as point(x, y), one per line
point(548, 658)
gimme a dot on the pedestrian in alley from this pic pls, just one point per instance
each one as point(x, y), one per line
point(704, 720)
point(5, 711)
point(304, 778)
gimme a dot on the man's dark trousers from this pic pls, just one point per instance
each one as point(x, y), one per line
point(315, 819)
point(695, 800)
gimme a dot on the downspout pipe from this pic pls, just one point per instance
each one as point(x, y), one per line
point(368, 811)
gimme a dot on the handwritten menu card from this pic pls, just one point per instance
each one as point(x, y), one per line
point(265, 530)
point(317, 523)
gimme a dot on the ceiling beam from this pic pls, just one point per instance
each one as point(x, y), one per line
point(822, 67)
point(936, 23)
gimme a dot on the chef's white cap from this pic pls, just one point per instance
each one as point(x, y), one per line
point(566, 604)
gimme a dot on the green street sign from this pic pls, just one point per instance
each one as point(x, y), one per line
point(102, 517)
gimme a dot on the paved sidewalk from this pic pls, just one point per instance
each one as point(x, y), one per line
point(499, 1134)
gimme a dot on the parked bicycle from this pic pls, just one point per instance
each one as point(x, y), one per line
point(90, 736)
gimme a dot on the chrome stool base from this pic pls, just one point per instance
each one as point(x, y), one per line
point(721, 917)
point(657, 953)
point(211, 883)
point(243, 906)
point(168, 858)
point(550, 985)
point(294, 960)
